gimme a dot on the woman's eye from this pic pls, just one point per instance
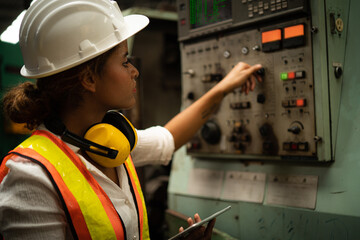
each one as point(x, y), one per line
point(126, 63)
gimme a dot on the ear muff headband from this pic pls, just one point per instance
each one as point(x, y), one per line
point(56, 126)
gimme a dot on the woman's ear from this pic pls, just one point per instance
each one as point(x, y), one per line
point(88, 81)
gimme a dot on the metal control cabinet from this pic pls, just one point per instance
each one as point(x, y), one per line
point(335, 213)
point(277, 121)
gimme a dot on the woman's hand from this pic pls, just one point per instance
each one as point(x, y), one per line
point(242, 75)
point(200, 233)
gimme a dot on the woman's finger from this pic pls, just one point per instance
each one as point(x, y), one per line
point(197, 218)
point(190, 221)
point(209, 229)
point(253, 82)
point(247, 86)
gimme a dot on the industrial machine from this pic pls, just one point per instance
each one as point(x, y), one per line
point(276, 121)
point(286, 155)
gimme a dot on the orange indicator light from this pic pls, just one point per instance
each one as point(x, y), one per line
point(271, 36)
point(294, 31)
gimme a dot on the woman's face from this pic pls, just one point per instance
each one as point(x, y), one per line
point(116, 87)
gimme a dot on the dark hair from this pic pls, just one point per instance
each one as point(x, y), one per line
point(32, 103)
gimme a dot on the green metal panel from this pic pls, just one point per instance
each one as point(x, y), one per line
point(321, 88)
point(336, 55)
point(10, 64)
point(337, 211)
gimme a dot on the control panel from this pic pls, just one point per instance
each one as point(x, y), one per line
point(277, 119)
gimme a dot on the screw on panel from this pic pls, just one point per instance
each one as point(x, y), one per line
point(314, 29)
point(317, 138)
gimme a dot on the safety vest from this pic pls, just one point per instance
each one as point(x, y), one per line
point(89, 211)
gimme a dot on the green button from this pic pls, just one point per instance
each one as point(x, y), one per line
point(283, 76)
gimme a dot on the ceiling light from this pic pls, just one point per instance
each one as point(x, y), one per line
point(11, 34)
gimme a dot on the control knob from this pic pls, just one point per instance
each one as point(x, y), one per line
point(265, 130)
point(260, 98)
point(211, 132)
point(261, 72)
point(190, 96)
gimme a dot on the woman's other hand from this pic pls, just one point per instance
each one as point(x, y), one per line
point(200, 233)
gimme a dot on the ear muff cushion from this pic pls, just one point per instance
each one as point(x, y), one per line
point(109, 136)
point(119, 121)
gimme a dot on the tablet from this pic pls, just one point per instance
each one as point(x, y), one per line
point(191, 228)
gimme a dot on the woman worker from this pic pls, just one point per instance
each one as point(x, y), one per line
point(58, 185)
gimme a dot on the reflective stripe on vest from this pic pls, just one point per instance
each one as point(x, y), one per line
point(90, 210)
point(140, 202)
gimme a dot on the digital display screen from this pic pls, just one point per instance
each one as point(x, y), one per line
point(206, 12)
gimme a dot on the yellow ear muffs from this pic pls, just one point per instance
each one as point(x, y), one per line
point(115, 132)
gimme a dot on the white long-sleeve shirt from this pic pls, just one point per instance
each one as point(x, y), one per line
point(31, 209)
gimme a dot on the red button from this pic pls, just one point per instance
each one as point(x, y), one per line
point(294, 146)
point(300, 102)
point(291, 75)
point(183, 22)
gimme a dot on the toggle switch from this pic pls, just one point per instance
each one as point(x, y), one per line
point(294, 129)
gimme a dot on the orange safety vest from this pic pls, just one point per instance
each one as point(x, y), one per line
point(89, 211)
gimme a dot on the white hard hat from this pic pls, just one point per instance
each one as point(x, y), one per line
point(56, 35)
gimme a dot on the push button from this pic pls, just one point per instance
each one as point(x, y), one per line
point(291, 75)
point(284, 76)
point(287, 146)
point(294, 146)
point(292, 103)
point(285, 103)
point(303, 146)
point(300, 74)
point(301, 102)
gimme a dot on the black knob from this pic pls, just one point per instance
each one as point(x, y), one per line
point(260, 98)
point(211, 132)
point(191, 96)
point(295, 129)
point(261, 72)
point(338, 71)
point(264, 130)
